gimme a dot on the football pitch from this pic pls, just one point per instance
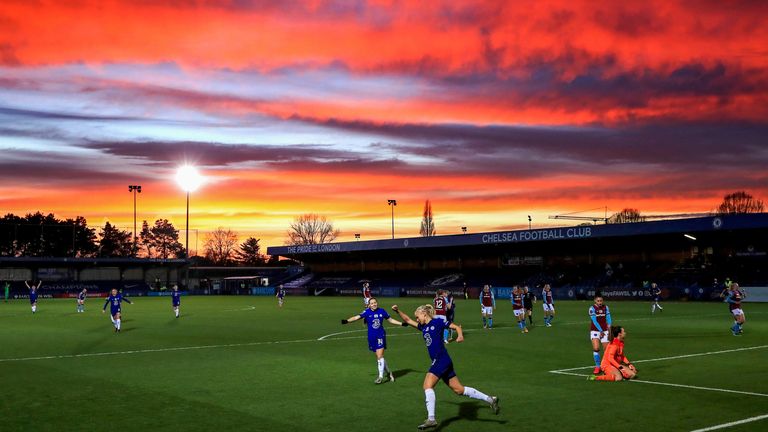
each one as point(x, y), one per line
point(241, 363)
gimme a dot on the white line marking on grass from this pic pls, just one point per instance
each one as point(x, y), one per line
point(344, 332)
point(567, 371)
point(733, 423)
point(241, 309)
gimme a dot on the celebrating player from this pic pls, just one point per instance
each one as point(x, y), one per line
point(734, 297)
point(442, 365)
point(600, 325)
point(377, 337)
point(517, 307)
point(615, 364)
point(114, 301)
point(656, 293)
point(81, 300)
point(366, 293)
point(487, 305)
point(176, 300)
point(549, 305)
point(280, 294)
point(33, 294)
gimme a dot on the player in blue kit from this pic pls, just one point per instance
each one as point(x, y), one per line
point(442, 365)
point(81, 300)
point(377, 337)
point(280, 294)
point(33, 294)
point(176, 300)
point(114, 301)
point(656, 294)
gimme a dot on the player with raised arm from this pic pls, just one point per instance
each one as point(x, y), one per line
point(176, 300)
point(442, 365)
point(656, 294)
point(377, 337)
point(33, 294)
point(516, 298)
point(441, 311)
point(615, 364)
point(81, 296)
point(600, 325)
point(280, 294)
point(549, 305)
point(734, 298)
point(487, 306)
point(114, 301)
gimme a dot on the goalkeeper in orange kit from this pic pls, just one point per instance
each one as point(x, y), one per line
point(615, 365)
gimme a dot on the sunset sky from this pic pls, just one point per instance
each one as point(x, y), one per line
point(492, 110)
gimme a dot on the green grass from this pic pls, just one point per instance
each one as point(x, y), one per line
point(244, 364)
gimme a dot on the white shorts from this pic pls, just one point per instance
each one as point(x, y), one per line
point(519, 312)
point(486, 310)
point(737, 312)
point(366, 300)
point(548, 307)
point(603, 336)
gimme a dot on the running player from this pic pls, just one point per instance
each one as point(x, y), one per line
point(734, 297)
point(442, 365)
point(114, 301)
point(615, 364)
point(549, 305)
point(176, 300)
point(280, 295)
point(517, 307)
point(600, 325)
point(656, 293)
point(441, 311)
point(528, 299)
point(366, 293)
point(81, 300)
point(487, 306)
point(377, 337)
point(33, 294)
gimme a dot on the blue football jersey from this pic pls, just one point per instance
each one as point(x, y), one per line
point(375, 320)
point(433, 338)
point(176, 297)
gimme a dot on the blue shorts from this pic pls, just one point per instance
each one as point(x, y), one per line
point(32, 300)
point(376, 343)
point(114, 311)
point(657, 299)
point(442, 367)
point(176, 304)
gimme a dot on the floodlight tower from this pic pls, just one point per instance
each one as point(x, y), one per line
point(392, 203)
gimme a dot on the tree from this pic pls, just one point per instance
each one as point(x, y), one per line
point(311, 229)
point(250, 252)
point(740, 202)
point(220, 246)
point(628, 215)
point(161, 241)
point(146, 241)
point(37, 234)
point(428, 221)
point(115, 242)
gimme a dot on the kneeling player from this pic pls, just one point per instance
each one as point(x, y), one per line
point(616, 365)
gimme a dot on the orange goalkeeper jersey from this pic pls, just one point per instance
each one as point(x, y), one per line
point(614, 355)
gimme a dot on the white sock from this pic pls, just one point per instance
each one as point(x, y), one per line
point(112, 319)
point(653, 308)
point(475, 394)
point(386, 366)
point(430, 394)
point(177, 312)
point(380, 364)
point(659, 306)
point(34, 309)
point(117, 323)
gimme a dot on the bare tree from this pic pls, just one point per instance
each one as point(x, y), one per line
point(628, 215)
point(311, 229)
point(740, 202)
point(220, 246)
point(428, 221)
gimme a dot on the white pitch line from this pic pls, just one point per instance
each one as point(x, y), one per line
point(673, 357)
point(733, 423)
point(241, 309)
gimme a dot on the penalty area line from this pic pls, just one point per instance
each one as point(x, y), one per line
point(733, 423)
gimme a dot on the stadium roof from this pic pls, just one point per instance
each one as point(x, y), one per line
point(691, 226)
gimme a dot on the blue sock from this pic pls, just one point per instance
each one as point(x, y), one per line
point(484, 323)
point(490, 322)
point(520, 324)
point(596, 356)
point(445, 334)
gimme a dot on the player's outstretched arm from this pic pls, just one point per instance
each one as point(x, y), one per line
point(350, 319)
point(27, 284)
point(396, 322)
point(459, 332)
point(407, 321)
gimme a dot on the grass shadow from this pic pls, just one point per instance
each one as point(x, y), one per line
point(468, 411)
point(402, 372)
